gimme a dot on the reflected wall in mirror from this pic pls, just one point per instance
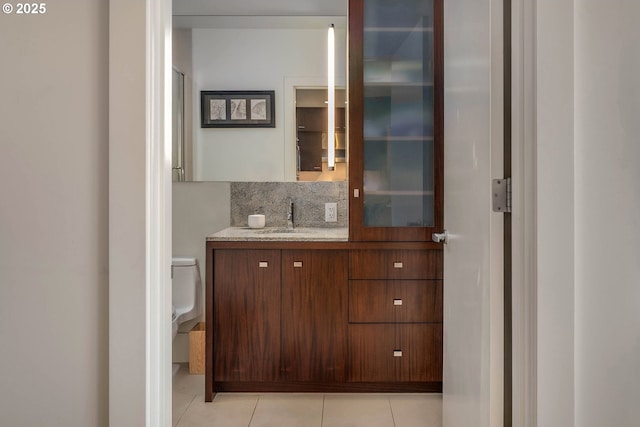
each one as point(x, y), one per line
point(182, 129)
point(256, 53)
point(311, 135)
point(178, 171)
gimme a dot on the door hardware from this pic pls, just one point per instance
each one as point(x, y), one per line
point(441, 237)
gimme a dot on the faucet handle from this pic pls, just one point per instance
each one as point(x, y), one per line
point(290, 214)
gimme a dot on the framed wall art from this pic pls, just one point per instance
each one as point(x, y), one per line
point(237, 109)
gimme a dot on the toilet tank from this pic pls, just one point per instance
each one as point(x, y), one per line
point(186, 287)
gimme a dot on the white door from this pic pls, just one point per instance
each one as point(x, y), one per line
point(472, 381)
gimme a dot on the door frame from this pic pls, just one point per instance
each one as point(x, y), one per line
point(140, 378)
point(524, 214)
point(138, 324)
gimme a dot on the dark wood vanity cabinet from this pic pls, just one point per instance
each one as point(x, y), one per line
point(396, 161)
point(395, 316)
point(279, 316)
point(314, 315)
point(326, 317)
point(246, 315)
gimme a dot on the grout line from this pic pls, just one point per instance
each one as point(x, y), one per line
point(391, 409)
point(324, 396)
point(185, 410)
point(254, 410)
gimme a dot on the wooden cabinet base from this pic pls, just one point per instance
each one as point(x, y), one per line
point(313, 387)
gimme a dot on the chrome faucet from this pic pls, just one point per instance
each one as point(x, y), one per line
point(290, 223)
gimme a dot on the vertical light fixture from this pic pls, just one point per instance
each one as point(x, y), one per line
point(331, 83)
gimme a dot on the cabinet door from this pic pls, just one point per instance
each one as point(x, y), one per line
point(421, 352)
point(395, 119)
point(312, 119)
point(371, 353)
point(310, 146)
point(314, 315)
point(246, 315)
point(341, 120)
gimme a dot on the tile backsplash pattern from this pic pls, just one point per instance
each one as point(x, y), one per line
point(271, 199)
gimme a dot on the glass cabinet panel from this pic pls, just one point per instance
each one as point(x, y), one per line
point(398, 113)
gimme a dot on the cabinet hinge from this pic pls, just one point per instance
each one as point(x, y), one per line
point(501, 194)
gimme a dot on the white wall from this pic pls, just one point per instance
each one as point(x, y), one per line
point(607, 225)
point(555, 212)
point(182, 50)
point(128, 235)
point(199, 209)
point(54, 216)
point(253, 59)
point(588, 96)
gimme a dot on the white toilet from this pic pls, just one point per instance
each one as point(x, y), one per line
point(187, 291)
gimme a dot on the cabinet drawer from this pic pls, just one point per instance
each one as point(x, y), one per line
point(395, 264)
point(387, 352)
point(387, 301)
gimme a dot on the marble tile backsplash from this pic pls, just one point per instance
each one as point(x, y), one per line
point(271, 199)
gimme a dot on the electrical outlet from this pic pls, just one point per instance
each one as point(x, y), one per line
point(330, 212)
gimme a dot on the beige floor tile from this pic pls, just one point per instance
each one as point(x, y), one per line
point(288, 410)
point(357, 410)
point(184, 382)
point(180, 403)
point(226, 410)
point(300, 409)
point(424, 410)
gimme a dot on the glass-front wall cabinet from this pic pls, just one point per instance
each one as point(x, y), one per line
point(396, 119)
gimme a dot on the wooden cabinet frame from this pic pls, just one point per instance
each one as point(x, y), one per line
point(357, 230)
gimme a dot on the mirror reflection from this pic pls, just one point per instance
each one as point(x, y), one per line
point(286, 54)
point(312, 136)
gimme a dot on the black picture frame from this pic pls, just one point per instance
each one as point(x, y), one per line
point(237, 109)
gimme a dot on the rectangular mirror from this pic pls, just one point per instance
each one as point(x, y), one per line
point(283, 53)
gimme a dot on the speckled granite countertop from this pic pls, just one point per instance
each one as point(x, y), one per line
point(280, 234)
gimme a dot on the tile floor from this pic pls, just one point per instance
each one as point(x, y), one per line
point(300, 409)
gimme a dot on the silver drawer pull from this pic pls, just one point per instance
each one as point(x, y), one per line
point(297, 264)
point(397, 265)
point(397, 353)
point(263, 264)
point(397, 301)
